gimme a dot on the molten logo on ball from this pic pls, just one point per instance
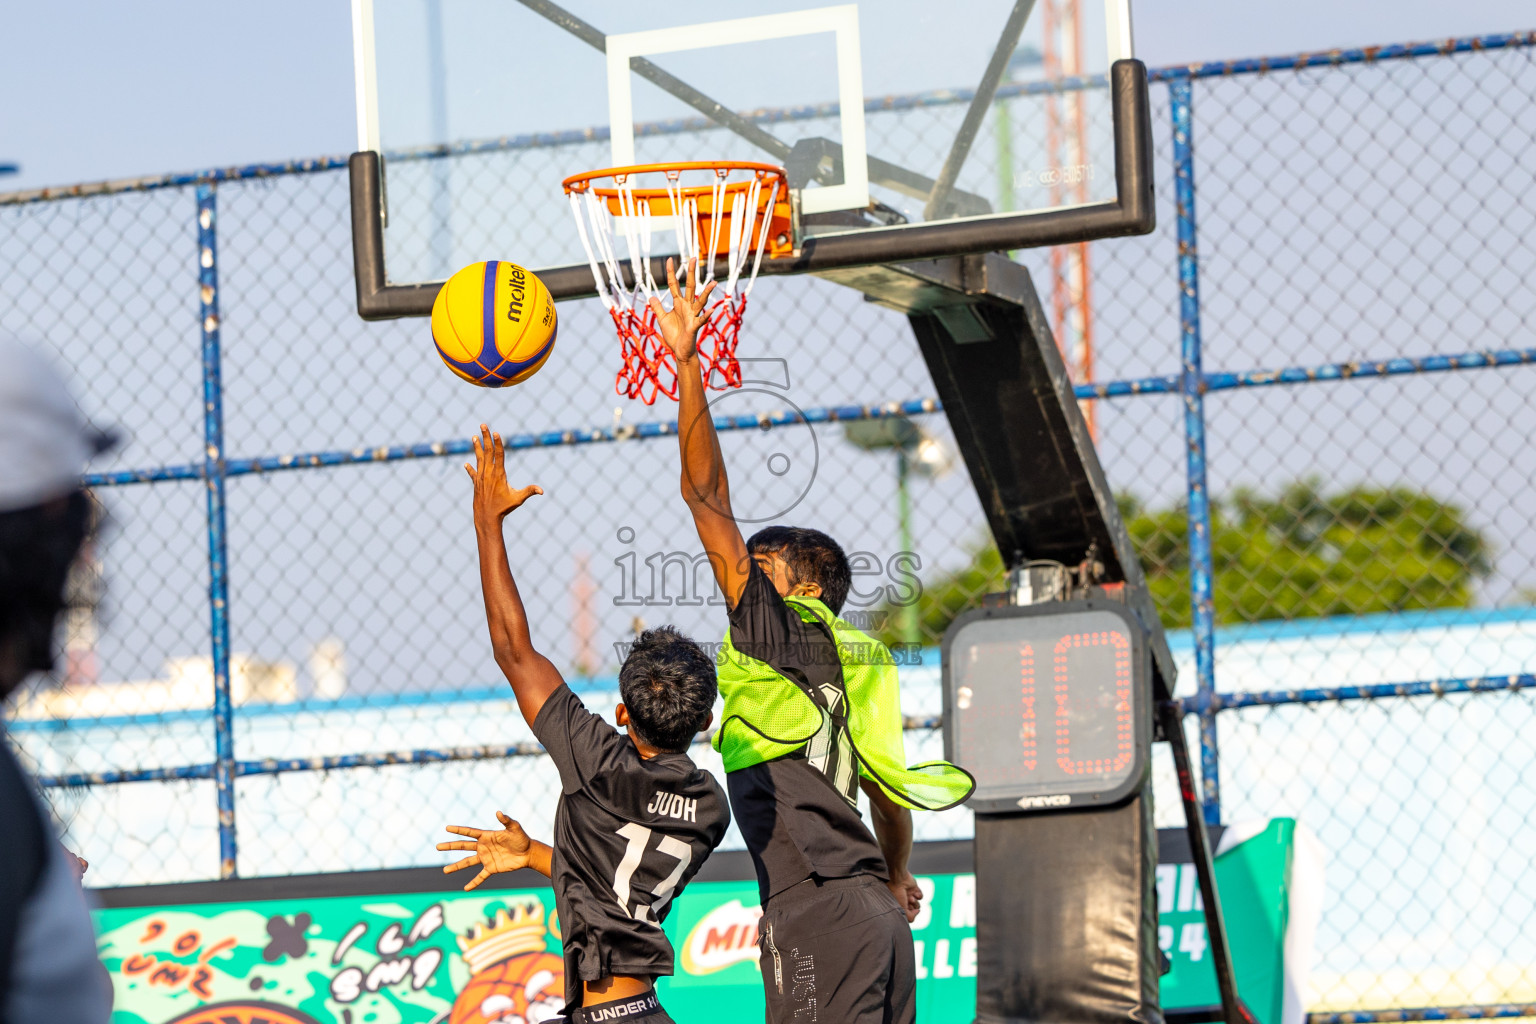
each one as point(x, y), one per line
point(481, 347)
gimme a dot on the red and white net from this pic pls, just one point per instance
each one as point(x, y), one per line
point(700, 232)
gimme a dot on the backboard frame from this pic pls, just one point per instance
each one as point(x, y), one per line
point(1131, 212)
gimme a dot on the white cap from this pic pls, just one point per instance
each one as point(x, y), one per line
point(44, 441)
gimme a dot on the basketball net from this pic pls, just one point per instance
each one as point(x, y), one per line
point(723, 217)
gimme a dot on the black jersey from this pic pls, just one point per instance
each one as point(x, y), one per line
point(798, 814)
point(629, 834)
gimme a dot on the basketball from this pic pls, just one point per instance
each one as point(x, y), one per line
point(494, 323)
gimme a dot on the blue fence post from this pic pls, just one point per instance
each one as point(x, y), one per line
point(1192, 386)
point(218, 561)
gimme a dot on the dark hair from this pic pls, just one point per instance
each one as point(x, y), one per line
point(668, 685)
point(812, 557)
point(37, 547)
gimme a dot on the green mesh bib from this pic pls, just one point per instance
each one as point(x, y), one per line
point(768, 716)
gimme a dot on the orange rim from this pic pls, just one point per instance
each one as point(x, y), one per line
point(584, 181)
point(773, 201)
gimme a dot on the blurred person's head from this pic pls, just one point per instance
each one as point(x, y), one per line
point(44, 514)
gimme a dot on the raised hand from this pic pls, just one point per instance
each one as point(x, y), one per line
point(494, 497)
point(496, 850)
point(680, 325)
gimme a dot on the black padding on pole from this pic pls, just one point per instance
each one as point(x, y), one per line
point(1067, 931)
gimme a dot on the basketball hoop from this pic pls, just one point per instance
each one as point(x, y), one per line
point(739, 219)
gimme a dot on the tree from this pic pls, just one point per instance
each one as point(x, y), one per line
point(1301, 554)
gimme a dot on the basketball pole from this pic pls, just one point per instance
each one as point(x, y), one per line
point(1004, 385)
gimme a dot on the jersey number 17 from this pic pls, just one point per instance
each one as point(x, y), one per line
point(639, 838)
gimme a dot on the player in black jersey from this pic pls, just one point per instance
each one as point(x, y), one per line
point(636, 817)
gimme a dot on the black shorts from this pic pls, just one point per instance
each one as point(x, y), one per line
point(840, 951)
point(646, 1008)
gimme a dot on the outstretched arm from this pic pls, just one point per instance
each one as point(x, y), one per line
point(532, 676)
point(705, 487)
point(496, 850)
point(893, 831)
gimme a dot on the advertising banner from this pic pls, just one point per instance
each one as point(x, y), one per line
point(493, 957)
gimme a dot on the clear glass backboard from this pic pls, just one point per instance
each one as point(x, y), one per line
point(887, 116)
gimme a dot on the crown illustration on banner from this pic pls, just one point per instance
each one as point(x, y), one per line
point(511, 932)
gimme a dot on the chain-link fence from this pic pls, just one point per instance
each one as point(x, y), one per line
point(1326, 341)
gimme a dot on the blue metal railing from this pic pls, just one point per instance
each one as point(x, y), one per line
point(1170, 384)
point(218, 553)
point(1192, 390)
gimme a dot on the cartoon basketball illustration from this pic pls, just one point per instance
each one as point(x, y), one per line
point(244, 1012)
point(513, 978)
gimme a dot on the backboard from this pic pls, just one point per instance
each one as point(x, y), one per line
point(908, 129)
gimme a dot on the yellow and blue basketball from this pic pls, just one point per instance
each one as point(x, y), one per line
point(494, 323)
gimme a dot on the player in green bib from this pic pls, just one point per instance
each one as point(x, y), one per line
point(812, 716)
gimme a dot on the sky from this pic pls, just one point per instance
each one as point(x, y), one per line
point(101, 90)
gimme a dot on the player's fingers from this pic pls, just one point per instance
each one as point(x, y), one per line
point(467, 862)
point(655, 306)
point(704, 296)
point(482, 876)
point(459, 845)
point(470, 470)
point(463, 830)
point(672, 280)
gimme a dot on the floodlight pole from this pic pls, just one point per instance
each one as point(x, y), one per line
point(906, 612)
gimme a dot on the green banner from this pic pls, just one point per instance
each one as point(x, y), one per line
point(440, 958)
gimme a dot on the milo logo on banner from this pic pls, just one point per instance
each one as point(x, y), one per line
point(714, 928)
point(725, 936)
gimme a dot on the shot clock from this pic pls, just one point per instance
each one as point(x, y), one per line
point(1048, 705)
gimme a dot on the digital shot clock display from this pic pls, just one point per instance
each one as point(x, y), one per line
point(1047, 705)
